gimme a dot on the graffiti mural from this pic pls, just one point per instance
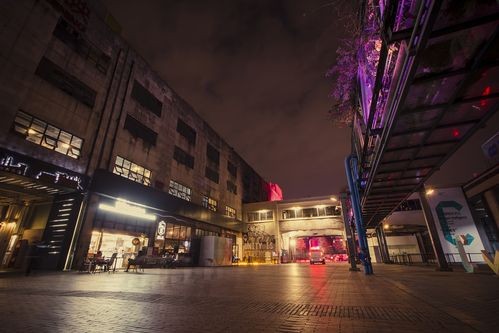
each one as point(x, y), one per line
point(257, 244)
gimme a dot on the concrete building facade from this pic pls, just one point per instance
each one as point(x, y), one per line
point(90, 131)
point(288, 228)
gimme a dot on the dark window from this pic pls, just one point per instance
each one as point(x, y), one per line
point(231, 187)
point(146, 99)
point(72, 38)
point(186, 131)
point(211, 175)
point(139, 130)
point(232, 169)
point(183, 157)
point(213, 154)
point(56, 76)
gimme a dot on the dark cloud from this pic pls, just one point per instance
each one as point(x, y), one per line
point(255, 71)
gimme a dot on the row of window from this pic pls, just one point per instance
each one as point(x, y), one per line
point(184, 192)
point(72, 38)
point(311, 212)
point(268, 215)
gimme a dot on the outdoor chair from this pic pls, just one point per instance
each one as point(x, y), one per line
point(110, 263)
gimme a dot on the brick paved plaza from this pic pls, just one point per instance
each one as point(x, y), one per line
point(270, 298)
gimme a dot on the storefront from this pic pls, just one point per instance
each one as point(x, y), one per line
point(40, 203)
point(125, 217)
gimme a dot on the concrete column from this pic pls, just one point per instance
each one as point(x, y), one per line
point(432, 228)
point(352, 251)
point(383, 247)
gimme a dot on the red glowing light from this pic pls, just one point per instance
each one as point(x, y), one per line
point(456, 133)
point(485, 92)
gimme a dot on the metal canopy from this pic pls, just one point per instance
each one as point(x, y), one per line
point(450, 89)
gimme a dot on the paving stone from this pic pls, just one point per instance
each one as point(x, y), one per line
point(273, 298)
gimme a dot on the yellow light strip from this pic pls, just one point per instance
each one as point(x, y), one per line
point(122, 207)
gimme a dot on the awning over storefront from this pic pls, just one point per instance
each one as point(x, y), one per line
point(111, 185)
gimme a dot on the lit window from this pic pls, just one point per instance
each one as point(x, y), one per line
point(40, 133)
point(132, 171)
point(209, 203)
point(266, 215)
point(179, 190)
point(229, 211)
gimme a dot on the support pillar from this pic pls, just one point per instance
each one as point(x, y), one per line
point(350, 237)
point(383, 247)
point(432, 229)
point(352, 177)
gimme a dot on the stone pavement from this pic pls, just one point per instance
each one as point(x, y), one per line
point(260, 298)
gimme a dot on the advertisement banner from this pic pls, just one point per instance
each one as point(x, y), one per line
point(455, 223)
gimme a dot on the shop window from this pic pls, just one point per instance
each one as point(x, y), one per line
point(209, 203)
point(186, 131)
point(211, 175)
point(132, 171)
point(139, 130)
point(183, 157)
point(41, 133)
point(179, 190)
point(230, 212)
point(231, 187)
point(73, 39)
point(146, 99)
point(72, 86)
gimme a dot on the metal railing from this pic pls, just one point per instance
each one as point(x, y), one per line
point(429, 258)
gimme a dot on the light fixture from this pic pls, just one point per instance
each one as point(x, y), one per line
point(31, 131)
point(333, 199)
point(429, 191)
point(124, 207)
point(386, 226)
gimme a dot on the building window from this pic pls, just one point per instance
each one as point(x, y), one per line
point(232, 169)
point(183, 157)
point(41, 133)
point(213, 154)
point(209, 203)
point(132, 171)
point(211, 175)
point(56, 76)
point(186, 131)
point(139, 130)
point(72, 38)
point(146, 99)
point(180, 191)
point(311, 212)
point(264, 215)
point(231, 187)
point(230, 212)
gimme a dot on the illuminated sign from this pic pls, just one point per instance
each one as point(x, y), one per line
point(7, 164)
point(160, 233)
point(29, 167)
point(124, 207)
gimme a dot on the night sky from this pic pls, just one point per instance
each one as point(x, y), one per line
point(255, 71)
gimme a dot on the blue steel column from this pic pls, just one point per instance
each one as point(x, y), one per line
point(352, 177)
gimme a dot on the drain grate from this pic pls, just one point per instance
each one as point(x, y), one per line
point(341, 311)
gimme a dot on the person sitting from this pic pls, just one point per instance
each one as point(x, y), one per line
point(139, 259)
